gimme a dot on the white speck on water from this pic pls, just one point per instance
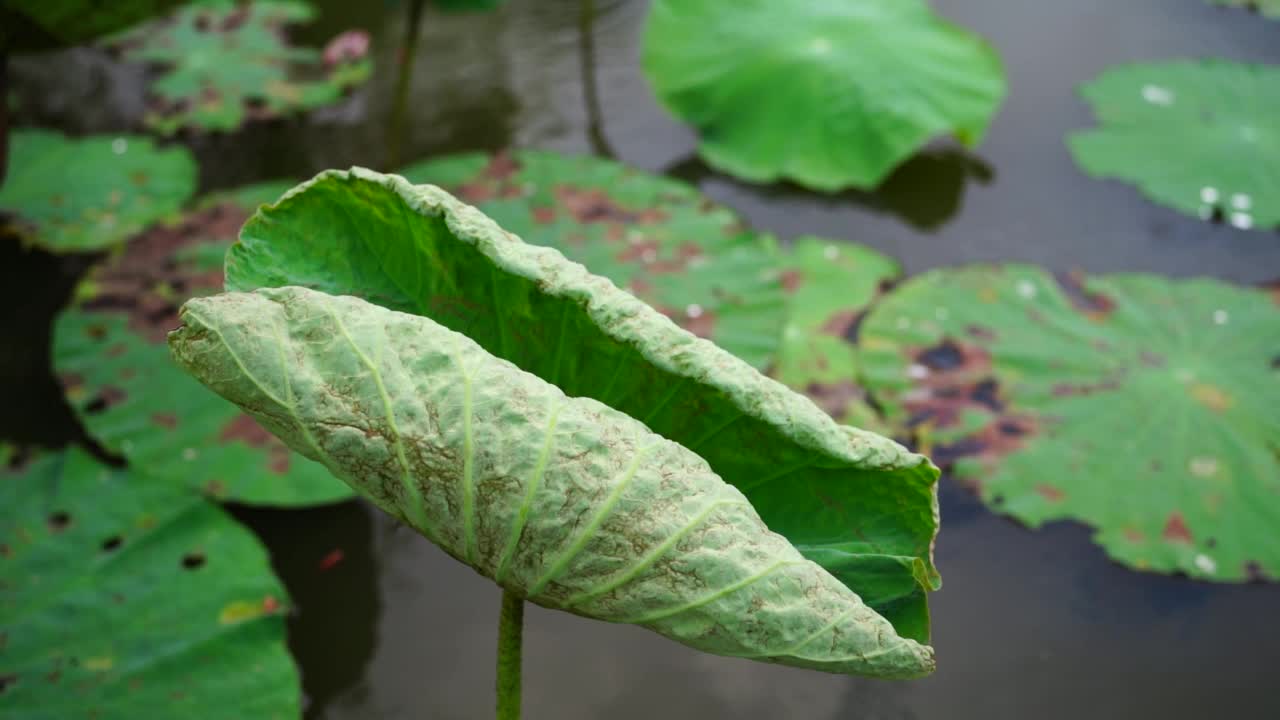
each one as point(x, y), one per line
point(903, 323)
point(1206, 564)
point(1203, 466)
point(1209, 194)
point(649, 255)
point(1242, 220)
point(1240, 201)
point(831, 252)
point(941, 313)
point(1026, 289)
point(693, 311)
point(1220, 317)
point(189, 454)
point(119, 146)
point(916, 371)
point(1157, 95)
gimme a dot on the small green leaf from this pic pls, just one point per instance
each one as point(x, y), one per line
point(1200, 137)
point(563, 501)
point(659, 238)
point(1143, 406)
point(122, 597)
point(837, 493)
point(69, 195)
point(829, 94)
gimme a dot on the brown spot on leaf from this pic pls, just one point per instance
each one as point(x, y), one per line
point(1176, 530)
point(791, 279)
point(7, 681)
point(980, 333)
point(1050, 493)
point(1134, 535)
point(703, 325)
point(1212, 397)
point(112, 543)
point(841, 323)
point(544, 215)
point(165, 420)
point(1254, 572)
point(193, 561)
point(1072, 389)
point(1094, 305)
point(247, 430)
point(594, 205)
point(59, 521)
point(109, 396)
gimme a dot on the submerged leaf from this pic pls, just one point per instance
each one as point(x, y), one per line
point(829, 94)
point(1143, 406)
point(1201, 137)
point(122, 598)
point(564, 501)
point(860, 505)
point(1268, 8)
point(69, 195)
point(659, 238)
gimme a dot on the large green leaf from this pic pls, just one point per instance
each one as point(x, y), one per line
point(228, 61)
point(657, 237)
point(1143, 406)
point(1269, 8)
point(859, 504)
point(831, 285)
point(27, 25)
point(122, 383)
point(564, 501)
point(831, 93)
point(123, 597)
point(72, 195)
point(1201, 137)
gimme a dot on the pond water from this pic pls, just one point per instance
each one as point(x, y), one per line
point(1029, 624)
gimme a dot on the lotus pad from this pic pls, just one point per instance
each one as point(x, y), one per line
point(861, 505)
point(1269, 8)
point(70, 195)
point(30, 25)
point(828, 94)
point(659, 238)
point(831, 285)
point(121, 597)
point(110, 354)
point(227, 62)
point(563, 501)
point(1200, 137)
point(1142, 406)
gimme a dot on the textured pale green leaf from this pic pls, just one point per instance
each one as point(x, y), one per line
point(851, 498)
point(123, 385)
point(1268, 8)
point(1142, 406)
point(226, 62)
point(72, 195)
point(28, 25)
point(565, 501)
point(1201, 137)
point(831, 284)
point(123, 597)
point(659, 238)
point(828, 94)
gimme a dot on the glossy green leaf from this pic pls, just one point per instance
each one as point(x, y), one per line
point(831, 284)
point(69, 195)
point(563, 501)
point(858, 502)
point(1268, 8)
point(122, 598)
point(1200, 137)
point(227, 62)
point(1142, 406)
point(659, 238)
point(828, 94)
point(130, 396)
point(30, 25)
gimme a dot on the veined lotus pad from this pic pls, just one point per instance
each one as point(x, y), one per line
point(1200, 137)
point(829, 94)
point(122, 598)
point(564, 501)
point(69, 195)
point(860, 505)
point(1142, 406)
point(120, 380)
point(659, 238)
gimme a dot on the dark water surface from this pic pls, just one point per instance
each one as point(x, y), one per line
point(1028, 625)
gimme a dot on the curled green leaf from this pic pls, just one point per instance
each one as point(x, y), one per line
point(565, 501)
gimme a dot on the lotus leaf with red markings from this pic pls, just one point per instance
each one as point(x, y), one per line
point(1142, 406)
point(122, 597)
point(657, 237)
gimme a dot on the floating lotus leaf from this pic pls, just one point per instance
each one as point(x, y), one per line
point(828, 94)
point(29, 25)
point(831, 284)
point(1268, 8)
point(69, 195)
point(1143, 406)
point(121, 597)
point(227, 62)
point(659, 238)
point(1200, 137)
point(859, 505)
point(126, 390)
point(564, 501)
